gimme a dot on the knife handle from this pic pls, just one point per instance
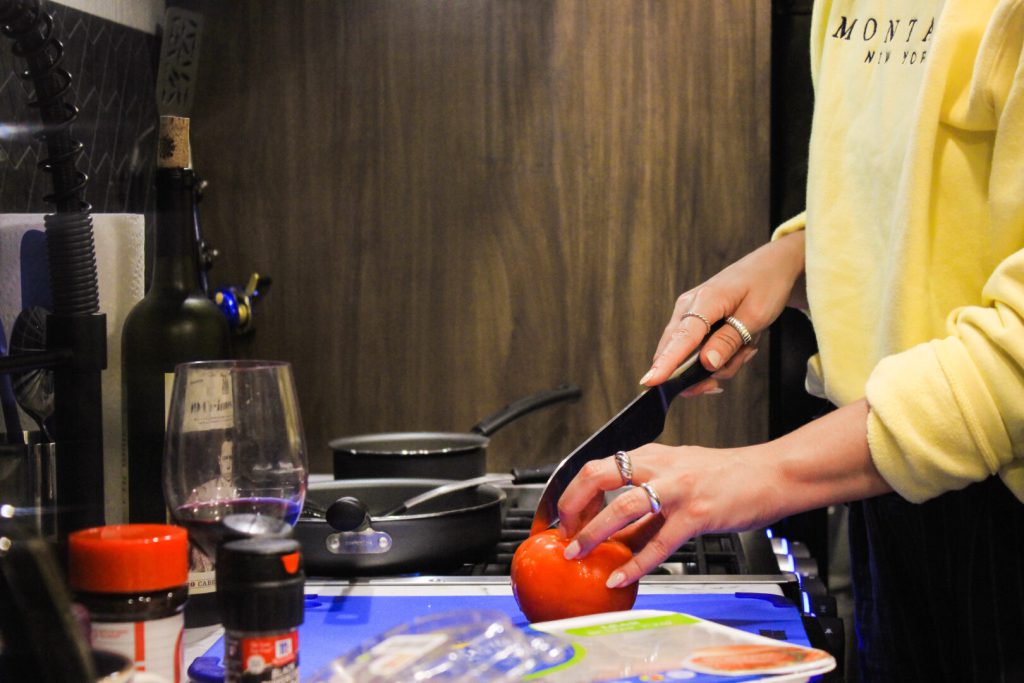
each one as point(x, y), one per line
point(691, 371)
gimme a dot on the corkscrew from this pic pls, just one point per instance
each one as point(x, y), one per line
point(237, 302)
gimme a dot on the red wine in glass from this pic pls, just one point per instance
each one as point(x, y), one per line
point(211, 523)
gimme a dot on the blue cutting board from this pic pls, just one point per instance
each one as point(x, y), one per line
point(336, 624)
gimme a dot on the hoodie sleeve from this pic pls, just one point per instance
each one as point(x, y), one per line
point(794, 224)
point(950, 412)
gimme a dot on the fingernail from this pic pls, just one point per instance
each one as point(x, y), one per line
point(715, 359)
point(716, 390)
point(750, 354)
point(650, 373)
point(615, 579)
point(572, 550)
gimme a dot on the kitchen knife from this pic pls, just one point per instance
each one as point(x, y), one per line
point(637, 424)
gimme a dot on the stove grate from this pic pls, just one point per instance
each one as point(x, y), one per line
point(710, 554)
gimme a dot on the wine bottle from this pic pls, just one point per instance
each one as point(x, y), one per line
point(175, 322)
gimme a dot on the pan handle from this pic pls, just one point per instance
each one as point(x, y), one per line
point(516, 409)
point(533, 475)
point(350, 518)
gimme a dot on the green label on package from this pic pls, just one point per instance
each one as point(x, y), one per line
point(633, 625)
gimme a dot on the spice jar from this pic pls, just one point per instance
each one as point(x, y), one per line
point(133, 580)
point(260, 590)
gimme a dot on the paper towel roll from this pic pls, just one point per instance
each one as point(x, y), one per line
point(121, 265)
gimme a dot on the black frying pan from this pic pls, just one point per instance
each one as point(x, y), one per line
point(431, 455)
point(436, 536)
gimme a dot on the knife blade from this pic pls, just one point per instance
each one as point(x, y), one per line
point(637, 424)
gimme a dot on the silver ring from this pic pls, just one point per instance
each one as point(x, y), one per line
point(694, 314)
point(741, 328)
point(653, 496)
point(625, 466)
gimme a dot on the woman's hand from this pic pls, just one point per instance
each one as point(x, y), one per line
point(754, 290)
point(704, 490)
point(700, 490)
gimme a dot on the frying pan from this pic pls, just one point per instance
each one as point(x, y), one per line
point(426, 455)
point(439, 535)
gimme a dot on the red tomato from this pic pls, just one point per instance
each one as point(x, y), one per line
point(547, 586)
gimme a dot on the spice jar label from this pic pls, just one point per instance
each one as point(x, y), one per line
point(270, 658)
point(154, 645)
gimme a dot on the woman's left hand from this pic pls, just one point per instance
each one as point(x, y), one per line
point(699, 489)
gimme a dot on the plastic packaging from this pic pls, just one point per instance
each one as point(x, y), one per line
point(465, 646)
point(663, 645)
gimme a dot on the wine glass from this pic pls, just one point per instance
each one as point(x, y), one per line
point(234, 458)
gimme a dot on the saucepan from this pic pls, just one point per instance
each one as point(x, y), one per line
point(427, 455)
point(367, 527)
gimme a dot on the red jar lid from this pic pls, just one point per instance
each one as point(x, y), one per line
point(128, 558)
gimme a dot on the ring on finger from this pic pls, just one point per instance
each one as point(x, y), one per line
point(695, 314)
point(625, 466)
point(652, 495)
point(742, 329)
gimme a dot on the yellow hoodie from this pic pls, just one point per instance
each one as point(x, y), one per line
point(915, 233)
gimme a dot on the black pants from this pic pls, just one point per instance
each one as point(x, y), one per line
point(939, 587)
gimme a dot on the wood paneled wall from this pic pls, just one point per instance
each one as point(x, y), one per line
point(464, 202)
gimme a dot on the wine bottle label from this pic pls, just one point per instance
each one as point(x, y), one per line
point(155, 645)
point(201, 579)
point(208, 401)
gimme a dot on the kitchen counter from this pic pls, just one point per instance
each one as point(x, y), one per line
point(341, 614)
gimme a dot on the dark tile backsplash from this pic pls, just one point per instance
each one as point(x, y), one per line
point(113, 70)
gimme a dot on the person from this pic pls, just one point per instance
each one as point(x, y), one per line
point(222, 486)
point(909, 260)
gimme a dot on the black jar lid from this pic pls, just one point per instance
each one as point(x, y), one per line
point(260, 584)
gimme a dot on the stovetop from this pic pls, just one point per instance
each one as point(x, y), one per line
point(737, 564)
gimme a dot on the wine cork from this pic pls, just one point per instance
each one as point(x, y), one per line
point(173, 149)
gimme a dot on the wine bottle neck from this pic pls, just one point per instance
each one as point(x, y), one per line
point(176, 252)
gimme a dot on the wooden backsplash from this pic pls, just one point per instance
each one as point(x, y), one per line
point(464, 202)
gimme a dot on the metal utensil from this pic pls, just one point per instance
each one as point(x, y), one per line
point(447, 489)
point(178, 70)
point(637, 424)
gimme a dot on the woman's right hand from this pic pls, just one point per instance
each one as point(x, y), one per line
point(753, 290)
